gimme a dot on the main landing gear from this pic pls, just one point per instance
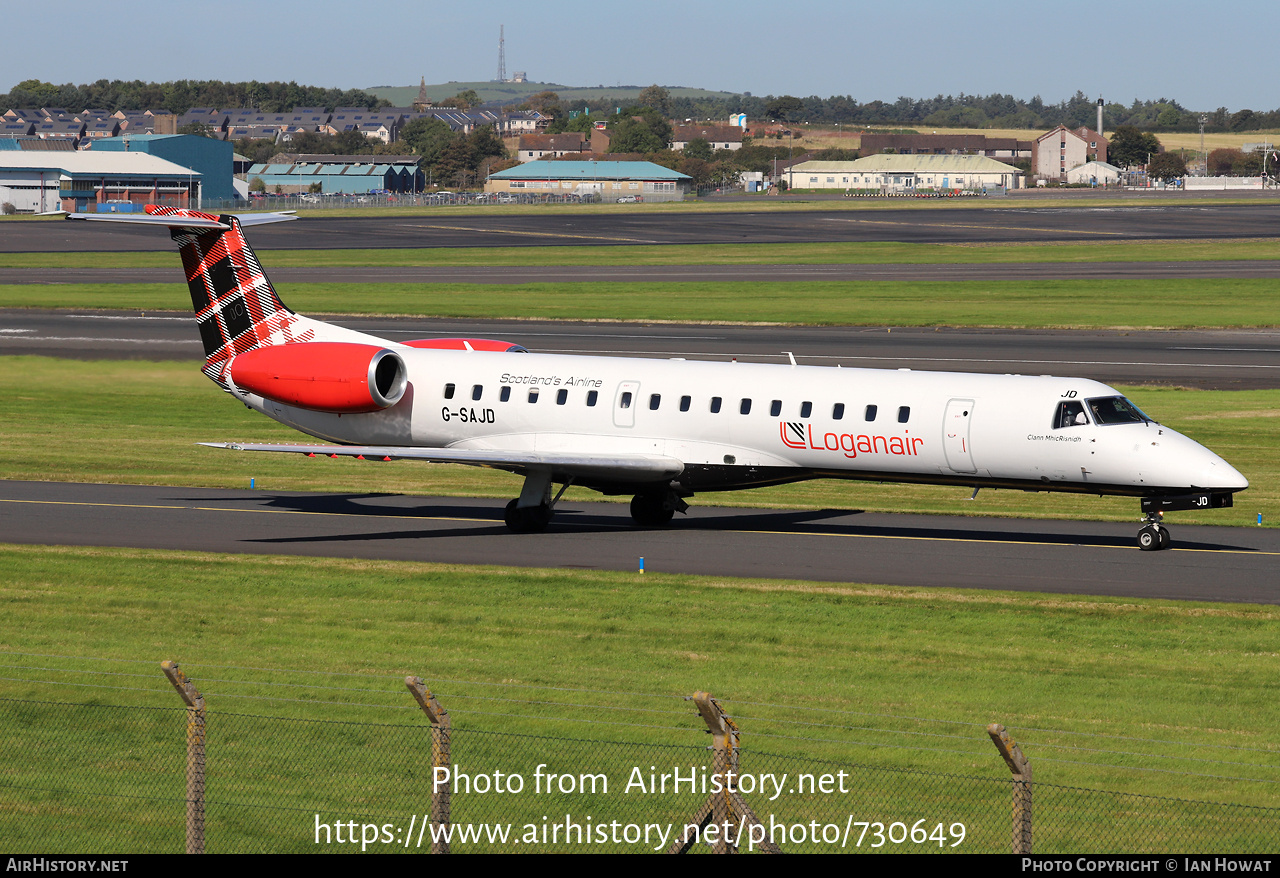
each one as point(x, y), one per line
point(527, 520)
point(1153, 536)
point(656, 509)
point(531, 511)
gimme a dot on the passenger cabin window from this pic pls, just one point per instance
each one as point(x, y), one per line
point(745, 406)
point(655, 400)
point(1116, 410)
point(775, 408)
point(685, 402)
point(625, 401)
point(505, 394)
point(871, 412)
point(477, 391)
point(806, 409)
point(533, 394)
point(904, 414)
point(592, 396)
point(837, 411)
point(1070, 414)
point(715, 405)
point(448, 391)
point(562, 396)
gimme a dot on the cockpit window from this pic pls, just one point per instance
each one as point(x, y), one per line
point(1070, 414)
point(1116, 410)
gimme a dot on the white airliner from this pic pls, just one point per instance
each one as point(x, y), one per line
point(664, 430)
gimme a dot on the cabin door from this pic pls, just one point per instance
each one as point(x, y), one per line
point(624, 404)
point(955, 436)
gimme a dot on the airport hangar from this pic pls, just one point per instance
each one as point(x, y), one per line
point(891, 174)
point(608, 179)
point(43, 181)
point(173, 169)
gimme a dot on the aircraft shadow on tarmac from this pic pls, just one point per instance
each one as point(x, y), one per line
point(823, 522)
point(805, 523)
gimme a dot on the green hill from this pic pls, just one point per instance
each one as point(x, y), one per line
point(403, 96)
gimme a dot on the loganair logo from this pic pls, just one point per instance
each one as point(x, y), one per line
point(801, 436)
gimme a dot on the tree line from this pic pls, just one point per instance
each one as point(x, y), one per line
point(941, 111)
point(179, 96)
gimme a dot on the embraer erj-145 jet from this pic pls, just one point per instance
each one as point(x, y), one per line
point(664, 430)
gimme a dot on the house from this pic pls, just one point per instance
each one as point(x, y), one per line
point(1058, 151)
point(538, 146)
point(719, 136)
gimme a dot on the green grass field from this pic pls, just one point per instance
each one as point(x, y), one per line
point(763, 203)
point(301, 664)
point(710, 254)
point(138, 423)
point(1135, 304)
point(574, 653)
point(1056, 303)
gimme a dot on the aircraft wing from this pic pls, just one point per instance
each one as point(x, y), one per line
point(618, 467)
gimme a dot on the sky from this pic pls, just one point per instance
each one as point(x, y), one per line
point(1202, 56)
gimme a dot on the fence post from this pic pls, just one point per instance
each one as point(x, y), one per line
point(195, 754)
point(1021, 768)
point(724, 762)
point(440, 730)
point(726, 807)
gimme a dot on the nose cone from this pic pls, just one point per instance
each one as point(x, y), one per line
point(1219, 475)
point(1188, 463)
point(1207, 470)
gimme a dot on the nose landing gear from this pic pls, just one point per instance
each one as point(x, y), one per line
point(1153, 536)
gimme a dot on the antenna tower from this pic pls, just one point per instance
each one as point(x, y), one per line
point(502, 54)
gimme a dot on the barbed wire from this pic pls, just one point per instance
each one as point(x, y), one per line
point(82, 685)
point(1143, 755)
point(772, 718)
point(1149, 740)
point(1053, 761)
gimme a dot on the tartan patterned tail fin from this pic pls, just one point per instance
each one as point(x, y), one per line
point(237, 309)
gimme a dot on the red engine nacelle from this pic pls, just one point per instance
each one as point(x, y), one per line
point(466, 344)
point(324, 376)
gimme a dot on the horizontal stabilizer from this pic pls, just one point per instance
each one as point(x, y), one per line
point(146, 220)
point(618, 467)
point(185, 222)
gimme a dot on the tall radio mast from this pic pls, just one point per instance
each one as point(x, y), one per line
point(502, 54)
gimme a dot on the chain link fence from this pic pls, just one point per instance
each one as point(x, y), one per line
point(111, 779)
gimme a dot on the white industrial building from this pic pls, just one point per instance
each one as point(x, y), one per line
point(42, 181)
point(896, 174)
point(1096, 174)
point(1190, 182)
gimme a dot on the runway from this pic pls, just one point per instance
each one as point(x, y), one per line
point(1087, 558)
point(941, 224)
point(1224, 359)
